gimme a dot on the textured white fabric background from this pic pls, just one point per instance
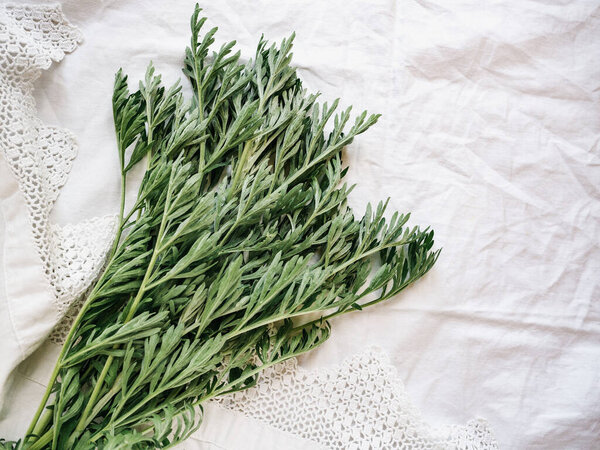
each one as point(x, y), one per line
point(490, 134)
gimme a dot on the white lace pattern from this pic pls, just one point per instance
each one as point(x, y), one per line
point(358, 405)
point(41, 156)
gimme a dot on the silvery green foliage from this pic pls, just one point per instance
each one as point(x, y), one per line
point(239, 234)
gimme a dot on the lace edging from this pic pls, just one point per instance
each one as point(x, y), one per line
point(64, 36)
point(359, 404)
point(41, 156)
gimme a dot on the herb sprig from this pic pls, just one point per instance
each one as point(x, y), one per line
point(240, 233)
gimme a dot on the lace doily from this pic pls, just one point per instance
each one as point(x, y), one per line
point(358, 405)
point(40, 156)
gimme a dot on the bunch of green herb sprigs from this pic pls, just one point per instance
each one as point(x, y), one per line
point(239, 248)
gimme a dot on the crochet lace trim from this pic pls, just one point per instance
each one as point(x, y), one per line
point(360, 404)
point(41, 156)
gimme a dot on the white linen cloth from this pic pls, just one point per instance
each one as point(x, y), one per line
point(489, 134)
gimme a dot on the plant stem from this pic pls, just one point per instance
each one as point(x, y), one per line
point(122, 202)
point(32, 427)
point(90, 404)
point(42, 441)
point(57, 366)
point(43, 422)
point(121, 213)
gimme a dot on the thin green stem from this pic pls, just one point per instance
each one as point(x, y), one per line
point(239, 168)
point(57, 366)
point(43, 422)
point(85, 306)
point(42, 441)
point(121, 212)
point(91, 402)
point(95, 392)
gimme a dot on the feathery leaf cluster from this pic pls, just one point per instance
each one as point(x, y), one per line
point(240, 235)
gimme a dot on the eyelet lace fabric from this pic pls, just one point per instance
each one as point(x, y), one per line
point(41, 156)
point(359, 405)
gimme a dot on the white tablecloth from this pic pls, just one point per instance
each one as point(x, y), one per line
point(490, 134)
